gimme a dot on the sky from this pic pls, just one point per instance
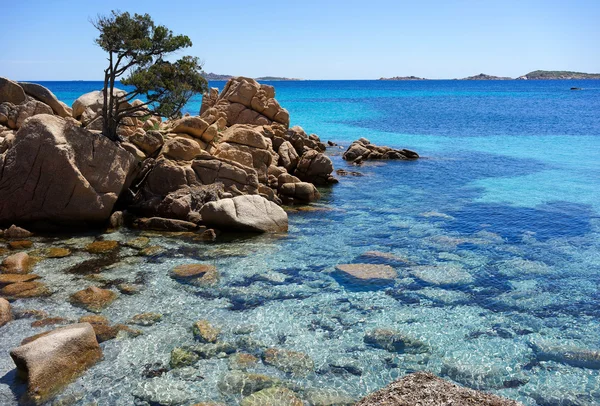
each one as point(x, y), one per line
point(326, 39)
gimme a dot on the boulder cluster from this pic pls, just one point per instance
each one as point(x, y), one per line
point(362, 150)
point(230, 167)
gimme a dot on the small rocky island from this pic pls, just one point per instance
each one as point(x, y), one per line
point(404, 78)
point(218, 77)
point(483, 76)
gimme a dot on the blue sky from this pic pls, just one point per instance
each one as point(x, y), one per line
point(53, 40)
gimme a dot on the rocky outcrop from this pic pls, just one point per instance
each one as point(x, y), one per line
point(11, 92)
point(44, 95)
point(245, 101)
point(423, 388)
point(57, 172)
point(362, 150)
point(245, 213)
point(53, 360)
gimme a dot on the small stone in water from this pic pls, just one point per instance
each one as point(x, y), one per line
point(93, 299)
point(182, 358)
point(20, 245)
point(58, 252)
point(205, 332)
point(138, 243)
point(102, 247)
point(146, 319)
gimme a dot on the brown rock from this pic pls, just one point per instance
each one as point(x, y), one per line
point(196, 274)
point(11, 92)
point(303, 191)
point(149, 142)
point(80, 173)
point(424, 388)
point(5, 312)
point(93, 299)
point(102, 247)
point(56, 252)
point(289, 361)
point(245, 213)
point(205, 332)
point(55, 359)
point(16, 232)
point(164, 224)
point(22, 290)
point(20, 245)
point(315, 167)
point(8, 279)
point(46, 96)
point(184, 149)
point(244, 135)
point(19, 263)
point(193, 126)
point(50, 321)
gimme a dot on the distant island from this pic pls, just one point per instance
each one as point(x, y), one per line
point(558, 74)
point(483, 76)
point(216, 76)
point(535, 75)
point(404, 78)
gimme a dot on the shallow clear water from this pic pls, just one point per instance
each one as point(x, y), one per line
point(495, 234)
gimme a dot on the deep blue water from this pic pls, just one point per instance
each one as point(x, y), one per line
point(495, 230)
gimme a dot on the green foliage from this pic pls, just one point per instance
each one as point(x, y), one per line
point(137, 47)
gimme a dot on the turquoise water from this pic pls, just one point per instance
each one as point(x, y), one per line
point(494, 233)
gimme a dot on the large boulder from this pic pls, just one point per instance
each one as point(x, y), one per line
point(55, 359)
point(57, 172)
point(315, 167)
point(11, 92)
point(42, 94)
point(424, 388)
point(245, 213)
point(89, 106)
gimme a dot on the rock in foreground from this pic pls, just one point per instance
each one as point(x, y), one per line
point(57, 172)
point(245, 213)
point(423, 388)
point(55, 359)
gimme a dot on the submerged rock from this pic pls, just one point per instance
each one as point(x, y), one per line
point(20, 245)
point(394, 341)
point(56, 252)
point(22, 290)
point(205, 332)
point(423, 388)
point(368, 273)
point(242, 361)
point(275, 396)
point(289, 361)
point(195, 274)
point(181, 357)
point(93, 299)
point(101, 247)
point(50, 362)
point(8, 279)
point(236, 382)
point(327, 397)
point(146, 319)
point(566, 354)
point(245, 213)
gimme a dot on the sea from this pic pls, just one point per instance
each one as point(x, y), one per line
point(494, 234)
